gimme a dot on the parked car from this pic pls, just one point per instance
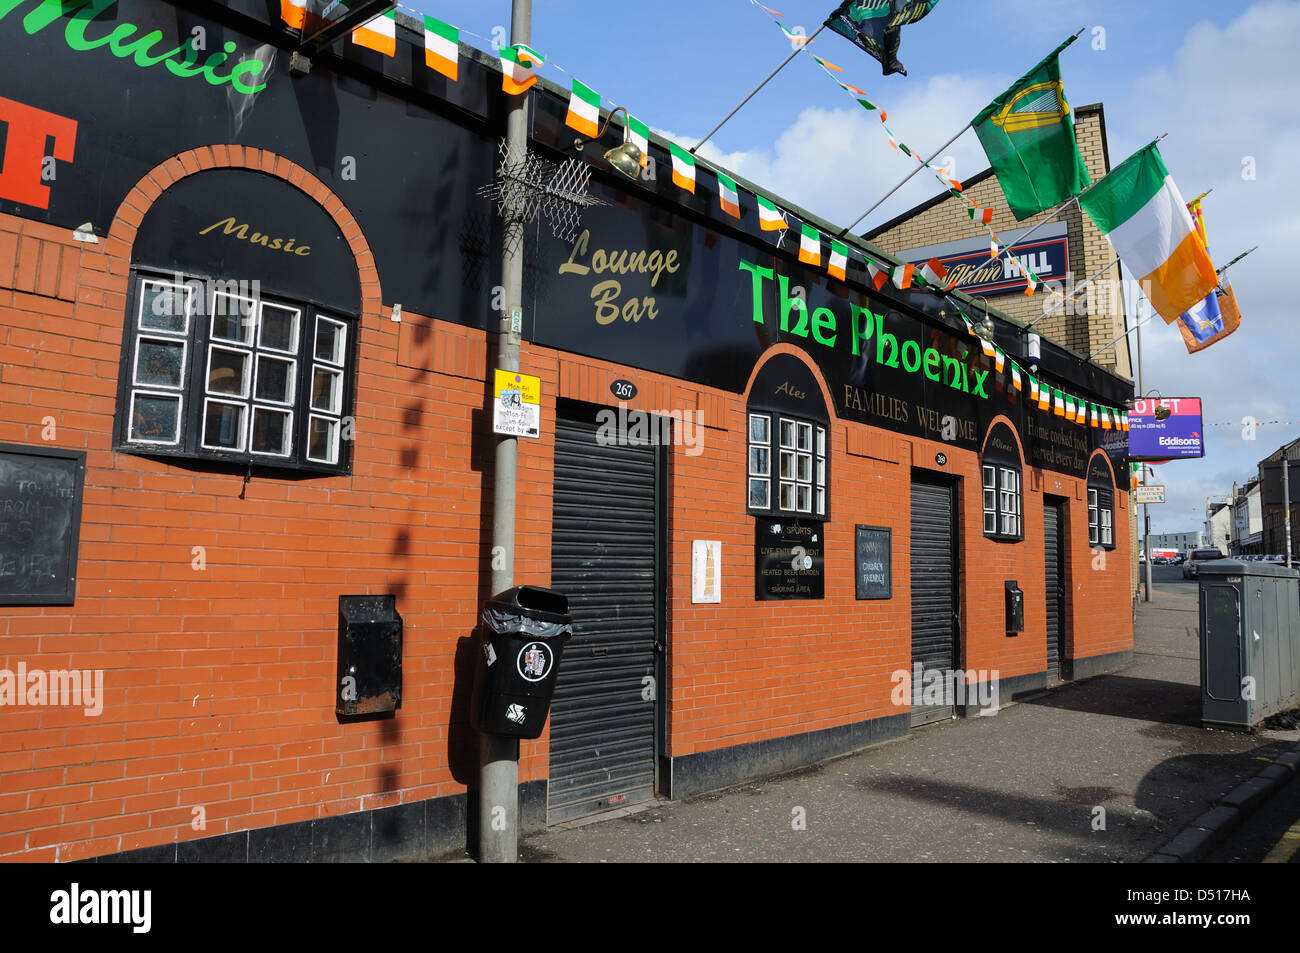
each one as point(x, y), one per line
point(1276, 559)
point(1197, 557)
point(1180, 559)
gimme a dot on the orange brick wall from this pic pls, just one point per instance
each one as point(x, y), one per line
point(219, 682)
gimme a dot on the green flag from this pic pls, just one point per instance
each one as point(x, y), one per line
point(1029, 140)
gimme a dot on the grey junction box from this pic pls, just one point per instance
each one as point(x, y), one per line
point(1250, 641)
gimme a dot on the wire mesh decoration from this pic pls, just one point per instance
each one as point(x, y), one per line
point(528, 186)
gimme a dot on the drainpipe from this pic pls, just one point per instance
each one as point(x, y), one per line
point(498, 804)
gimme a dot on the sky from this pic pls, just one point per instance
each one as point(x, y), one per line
point(1222, 79)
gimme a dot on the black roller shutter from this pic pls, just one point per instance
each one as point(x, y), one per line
point(606, 526)
point(934, 604)
point(1054, 588)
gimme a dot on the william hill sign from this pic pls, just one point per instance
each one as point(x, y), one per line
point(969, 264)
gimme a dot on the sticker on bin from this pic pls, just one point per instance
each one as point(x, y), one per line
point(515, 713)
point(491, 654)
point(534, 661)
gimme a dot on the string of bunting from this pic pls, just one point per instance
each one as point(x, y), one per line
point(519, 64)
point(977, 213)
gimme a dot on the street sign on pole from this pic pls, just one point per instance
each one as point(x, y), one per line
point(1149, 493)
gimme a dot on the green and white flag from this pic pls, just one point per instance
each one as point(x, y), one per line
point(1029, 140)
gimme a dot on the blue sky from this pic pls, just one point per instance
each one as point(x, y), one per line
point(1220, 78)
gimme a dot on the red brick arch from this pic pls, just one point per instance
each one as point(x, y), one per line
point(140, 199)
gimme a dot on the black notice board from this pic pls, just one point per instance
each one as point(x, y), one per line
point(788, 559)
point(40, 524)
point(873, 562)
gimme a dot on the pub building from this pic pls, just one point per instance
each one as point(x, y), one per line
point(247, 388)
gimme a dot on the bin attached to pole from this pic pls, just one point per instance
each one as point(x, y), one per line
point(522, 632)
point(1250, 641)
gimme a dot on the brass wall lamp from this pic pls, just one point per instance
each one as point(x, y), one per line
point(625, 157)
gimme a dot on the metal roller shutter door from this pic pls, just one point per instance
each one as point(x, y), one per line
point(603, 557)
point(1054, 587)
point(933, 594)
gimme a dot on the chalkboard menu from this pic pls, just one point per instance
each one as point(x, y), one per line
point(872, 562)
point(40, 521)
point(788, 560)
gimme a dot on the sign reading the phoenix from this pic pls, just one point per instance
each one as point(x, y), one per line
point(1178, 436)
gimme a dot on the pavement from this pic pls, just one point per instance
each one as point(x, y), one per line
point(1113, 768)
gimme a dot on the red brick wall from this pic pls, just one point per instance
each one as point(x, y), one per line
point(219, 683)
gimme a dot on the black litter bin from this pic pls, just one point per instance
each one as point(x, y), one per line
point(522, 632)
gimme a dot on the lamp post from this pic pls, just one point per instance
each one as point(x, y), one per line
point(498, 803)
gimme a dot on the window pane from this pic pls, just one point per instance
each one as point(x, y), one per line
point(322, 440)
point(279, 328)
point(165, 307)
point(821, 472)
point(821, 440)
point(805, 436)
point(821, 502)
point(805, 499)
point(990, 500)
point(228, 372)
point(159, 363)
point(232, 318)
point(805, 468)
point(759, 491)
point(271, 431)
point(758, 425)
point(223, 425)
point(330, 337)
point(759, 461)
point(274, 380)
point(787, 433)
point(990, 521)
point(787, 465)
point(990, 478)
point(155, 418)
point(787, 496)
point(326, 390)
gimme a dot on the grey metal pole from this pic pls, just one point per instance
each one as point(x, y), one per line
point(498, 802)
point(1146, 510)
point(907, 178)
point(1286, 504)
point(785, 62)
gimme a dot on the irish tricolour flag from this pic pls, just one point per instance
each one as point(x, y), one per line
point(728, 196)
point(770, 218)
point(441, 47)
point(584, 110)
point(683, 167)
point(810, 246)
point(379, 34)
point(638, 133)
point(1142, 213)
point(839, 260)
point(518, 68)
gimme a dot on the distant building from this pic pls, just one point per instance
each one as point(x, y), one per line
point(1272, 510)
point(1247, 519)
point(1179, 541)
point(1218, 525)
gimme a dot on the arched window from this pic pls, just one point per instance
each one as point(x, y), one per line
point(1101, 504)
point(1001, 484)
point(788, 468)
point(241, 330)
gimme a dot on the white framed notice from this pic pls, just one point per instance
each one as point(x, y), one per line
point(706, 570)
